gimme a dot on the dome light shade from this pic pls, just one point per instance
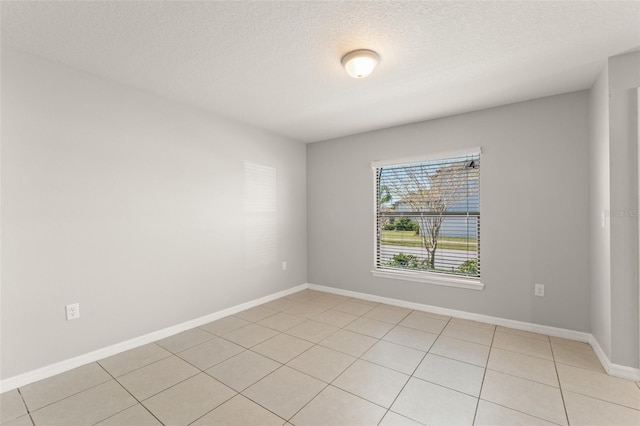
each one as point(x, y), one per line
point(360, 63)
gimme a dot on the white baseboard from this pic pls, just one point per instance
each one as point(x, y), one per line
point(69, 364)
point(616, 370)
point(519, 325)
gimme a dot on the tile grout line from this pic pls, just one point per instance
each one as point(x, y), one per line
point(415, 369)
point(484, 375)
point(545, 359)
point(521, 412)
point(245, 349)
point(410, 375)
point(555, 366)
point(511, 375)
point(248, 349)
point(188, 347)
point(169, 387)
point(525, 354)
point(173, 385)
point(25, 406)
point(487, 368)
point(316, 395)
point(224, 402)
point(617, 404)
point(280, 367)
point(349, 366)
point(354, 361)
point(308, 402)
point(311, 341)
point(448, 321)
point(138, 368)
point(257, 381)
point(68, 396)
point(523, 378)
point(132, 395)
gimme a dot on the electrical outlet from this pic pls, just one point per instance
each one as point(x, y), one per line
point(539, 290)
point(284, 266)
point(73, 311)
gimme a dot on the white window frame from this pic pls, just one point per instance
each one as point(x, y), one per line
point(419, 276)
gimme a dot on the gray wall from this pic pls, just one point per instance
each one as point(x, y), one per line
point(140, 209)
point(534, 206)
point(599, 183)
point(624, 78)
point(614, 193)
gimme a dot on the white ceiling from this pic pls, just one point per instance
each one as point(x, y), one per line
point(276, 65)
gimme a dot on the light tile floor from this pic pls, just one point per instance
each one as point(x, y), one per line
point(314, 358)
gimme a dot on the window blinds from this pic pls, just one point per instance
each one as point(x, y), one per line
point(428, 216)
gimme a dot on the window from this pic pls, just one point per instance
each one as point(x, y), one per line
point(428, 219)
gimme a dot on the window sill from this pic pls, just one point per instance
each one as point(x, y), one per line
point(430, 278)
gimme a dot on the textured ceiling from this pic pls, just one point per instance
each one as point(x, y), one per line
point(276, 65)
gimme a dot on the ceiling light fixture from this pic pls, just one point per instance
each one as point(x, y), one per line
point(360, 63)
